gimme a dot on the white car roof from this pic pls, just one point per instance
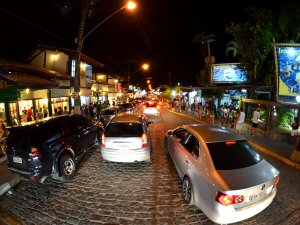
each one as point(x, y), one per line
point(126, 118)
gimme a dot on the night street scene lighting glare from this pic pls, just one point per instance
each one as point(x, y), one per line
point(131, 5)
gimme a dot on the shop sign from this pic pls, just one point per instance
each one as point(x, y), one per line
point(228, 73)
point(75, 95)
point(288, 70)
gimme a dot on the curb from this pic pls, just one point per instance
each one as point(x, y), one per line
point(2, 159)
point(279, 157)
point(6, 186)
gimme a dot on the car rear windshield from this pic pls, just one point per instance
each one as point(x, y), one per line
point(124, 130)
point(108, 112)
point(150, 104)
point(126, 105)
point(233, 155)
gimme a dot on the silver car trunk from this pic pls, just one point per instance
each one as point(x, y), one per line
point(123, 142)
point(253, 182)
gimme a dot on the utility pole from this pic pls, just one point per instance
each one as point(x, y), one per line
point(206, 39)
point(128, 62)
point(169, 79)
point(85, 6)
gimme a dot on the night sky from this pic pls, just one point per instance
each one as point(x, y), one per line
point(157, 32)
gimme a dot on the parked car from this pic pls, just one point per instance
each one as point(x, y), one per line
point(151, 108)
point(222, 173)
point(127, 139)
point(107, 114)
point(49, 146)
point(128, 108)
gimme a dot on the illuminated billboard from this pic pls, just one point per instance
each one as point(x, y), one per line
point(228, 73)
point(288, 59)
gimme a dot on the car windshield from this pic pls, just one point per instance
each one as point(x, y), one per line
point(233, 155)
point(150, 104)
point(108, 112)
point(124, 130)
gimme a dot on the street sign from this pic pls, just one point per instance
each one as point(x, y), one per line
point(75, 95)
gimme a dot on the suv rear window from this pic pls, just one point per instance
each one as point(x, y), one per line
point(18, 138)
point(124, 130)
point(108, 112)
point(232, 156)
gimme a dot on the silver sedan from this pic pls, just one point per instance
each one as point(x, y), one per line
point(221, 171)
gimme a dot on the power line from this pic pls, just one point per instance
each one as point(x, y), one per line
point(36, 25)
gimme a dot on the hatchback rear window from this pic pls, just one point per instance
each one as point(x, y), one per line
point(108, 112)
point(233, 155)
point(151, 104)
point(124, 130)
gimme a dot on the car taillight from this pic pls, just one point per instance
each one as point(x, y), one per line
point(35, 153)
point(276, 182)
point(225, 199)
point(157, 106)
point(144, 140)
point(231, 143)
point(103, 137)
point(159, 103)
point(144, 107)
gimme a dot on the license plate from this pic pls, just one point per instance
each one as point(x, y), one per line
point(123, 146)
point(258, 195)
point(17, 159)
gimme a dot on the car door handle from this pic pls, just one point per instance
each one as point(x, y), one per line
point(187, 161)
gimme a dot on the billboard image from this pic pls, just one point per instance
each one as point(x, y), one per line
point(289, 70)
point(228, 73)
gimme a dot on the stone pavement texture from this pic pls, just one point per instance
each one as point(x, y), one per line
point(133, 193)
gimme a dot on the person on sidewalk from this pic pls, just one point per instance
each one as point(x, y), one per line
point(183, 107)
point(294, 133)
point(177, 103)
point(219, 115)
point(240, 120)
point(236, 115)
point(225, 115)
point(212, 115)
point(208, 115)
point(29, 114)
point(193, 107)
point(200, 110)
point(256, 116)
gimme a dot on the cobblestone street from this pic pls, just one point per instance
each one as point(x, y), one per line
point(133, 193)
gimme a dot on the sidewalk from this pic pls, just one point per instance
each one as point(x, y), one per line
point(277, 149)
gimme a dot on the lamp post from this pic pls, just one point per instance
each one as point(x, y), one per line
point(145, 67)
point(79, 44)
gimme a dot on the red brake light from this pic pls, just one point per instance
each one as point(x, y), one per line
point(231, 143)
point(225, 199)
point(103, 137)
point(276, 182)
point(157, 106)
point(144, 140)
point(35, 153)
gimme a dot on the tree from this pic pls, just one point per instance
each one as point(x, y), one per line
point(202, 78)
point(289, 21)
point(254, 40)
point(167, 93)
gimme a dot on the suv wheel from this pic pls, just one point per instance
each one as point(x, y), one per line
point(66, 168)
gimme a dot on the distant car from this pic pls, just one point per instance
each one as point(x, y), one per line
point(151, 108)
point(221, 171)
point(127, 139)
point(107, 114)
point(49, 146)
point(128, 108)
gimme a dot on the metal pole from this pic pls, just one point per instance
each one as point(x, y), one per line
point(85, 6)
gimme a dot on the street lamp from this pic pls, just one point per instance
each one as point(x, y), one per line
point(79, 44)
point(145, 67)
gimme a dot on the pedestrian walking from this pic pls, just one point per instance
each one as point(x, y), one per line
point(86, 112)
point(294, 132)
point(225, 115)
point(177, 103)
point(236, 115)
point(256, 116)
point(240, 120)
point(208, 114)
point(183, 107)
point(200, 110)
point(212, 115)
point(220, 116)
point(91, 111)
point(45, 112)
point(193, 107)
point(29, 114)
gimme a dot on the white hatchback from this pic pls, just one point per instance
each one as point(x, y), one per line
point(127, 139)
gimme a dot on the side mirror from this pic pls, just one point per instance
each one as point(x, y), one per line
point(150, 122)
point(170, 132)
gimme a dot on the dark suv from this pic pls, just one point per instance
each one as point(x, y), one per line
point(49, 146)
